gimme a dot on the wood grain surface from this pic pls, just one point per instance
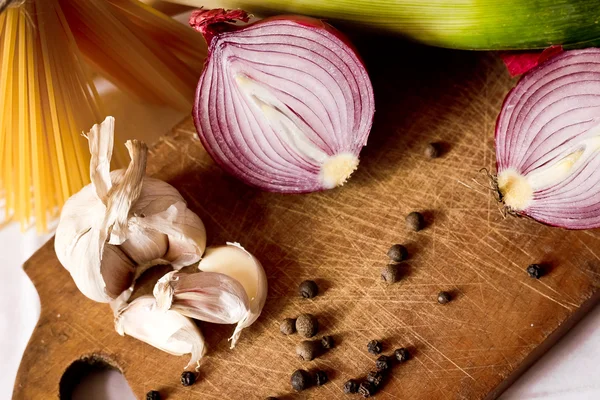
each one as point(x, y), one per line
point(499, 321)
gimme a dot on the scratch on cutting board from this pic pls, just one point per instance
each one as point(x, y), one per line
point(507, 240)
point(85, 334)
point(422, 339)
point(245, 364)
point(188, 131)
point(208, 394)
point(442, 354)
point(205, 212)
point(478, 272)
point(541, 283)
point(568, 307)
point(588, 247)
point(470, 187)
point(546, 296)
point(429, 371)
point(167, 141)
point(523, 283)
point(339, 225)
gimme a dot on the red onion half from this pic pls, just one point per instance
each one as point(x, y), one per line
point(284, 104)
point(548, 142)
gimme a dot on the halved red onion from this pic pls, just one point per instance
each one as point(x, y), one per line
point(548, 142)
point(284, 104)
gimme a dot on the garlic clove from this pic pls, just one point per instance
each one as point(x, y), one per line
point(156, 197)
point(79, 215)
point(206, 296)
point(184, 229)
point(168, 331)
point(117, 270)
point(144, 246)
point(233, 260)
point(84, 263)
point(186, 246)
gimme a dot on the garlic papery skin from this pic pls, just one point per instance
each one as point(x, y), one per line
point(168, 331)
point(185, 232)
point(233, 260)
point(89, 215)
point(205, 296)
point(145, 218)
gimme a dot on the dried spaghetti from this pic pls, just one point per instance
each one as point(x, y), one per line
point(48, 97)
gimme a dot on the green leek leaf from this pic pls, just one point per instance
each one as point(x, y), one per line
point(459, 24)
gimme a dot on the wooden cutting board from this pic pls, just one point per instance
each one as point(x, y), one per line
point(498, 323)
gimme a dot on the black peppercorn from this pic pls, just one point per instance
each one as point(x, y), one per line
point(391, 273)
point(535, 271)
point(320, 377)
point(300, 380)
point(153, 395)
point(188, 378)
point(376, 378)
point(401, 354)
point(444, 297)
point(351, 386)
point(327, 342)
point(288, 326)
point(383, 363)
point(397, 253)
point(307, 350)
point(432, 150)
point(366, 389)
point(307, 325)
point(308, 289)
point(415, 221)
point(374, 347)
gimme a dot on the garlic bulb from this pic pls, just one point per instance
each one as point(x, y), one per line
point(206, 296)
point(123, 222)
point(233, 260)
point(168, 331)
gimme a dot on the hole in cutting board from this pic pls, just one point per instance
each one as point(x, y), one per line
point(94, 378)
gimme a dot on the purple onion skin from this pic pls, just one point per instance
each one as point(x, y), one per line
point(547, 142)
point(212, 23)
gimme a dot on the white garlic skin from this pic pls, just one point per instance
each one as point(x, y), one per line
point(205, 296)
point(146, 216)
point(183, 243)
point(168, 330)
point(80, 212)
